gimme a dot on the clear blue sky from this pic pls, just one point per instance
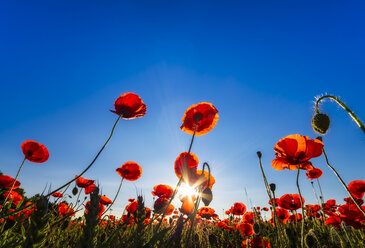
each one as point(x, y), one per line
point(261, 63)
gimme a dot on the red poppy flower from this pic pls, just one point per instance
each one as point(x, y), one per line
point(290, 201)
point(256, 242)
point(65, 210)
point(148, 213)
point(314, 173)
point(204, 181)
point(57, 194)
point(190, 175)
point(162, 190)
point(187, 206)
point(7, 182)
point(295, 217)
point(13, 196)
point(131, 200)
point(206, 212)
point(160, 205)
point(295, 150)
point(130, 106)
point(130, 171)
point(83, 183)
point(333, 220)
point(265, 209)
point(357, 188)
point(249, 218)
point(34, 151)
point(132, 207)
point(245, 229)
point(101, 208)
point(90, 189)
point(238, 208)
point(105, 200)
point(204, 114)
point(276, 201)
point(282, 214)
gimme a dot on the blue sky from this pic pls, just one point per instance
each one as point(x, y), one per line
point(63, 64)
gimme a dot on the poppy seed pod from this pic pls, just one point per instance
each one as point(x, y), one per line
point(320, 123)
point(207, 196)
point(272, 187)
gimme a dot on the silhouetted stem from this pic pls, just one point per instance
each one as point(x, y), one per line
point(339, 102)
point(12, 186)
point(179, 182)
point(116, 195)
point(320, 189)
point(96, 157)
point(301, 204)
point(343, 183)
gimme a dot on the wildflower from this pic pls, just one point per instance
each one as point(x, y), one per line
point(188, 205)
point(162, 190)
point(238, 208)
point(90, 189)
point(290, 201)
point(256, 242)
point(295, 150)
point(105, 200)
point(265, 209)
point(130, 171)
point(190, 176)
point(132, 207)
point(203, 114)
point(295, 217)
point(334, 220)
point(57, 194)
point(131, 200)
point(129, 106)
point(357, 188)
point(101, 208)
point(7, 182)
point(34, 151)
point(245, 229)
point(314, 173)
point(13, 195)
point(249, 218)
point(204, 181)
point(282, 214)
point(206, 212)
point(65, 210)
point(83, 183)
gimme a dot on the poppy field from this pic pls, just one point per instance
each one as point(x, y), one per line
point(76, 214)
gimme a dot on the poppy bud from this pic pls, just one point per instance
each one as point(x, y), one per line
point(207, 196)
point(259, 154)
point(256, 228)
point(272, 187)
point(319, 138)
point(75, 191)
point(320, 123)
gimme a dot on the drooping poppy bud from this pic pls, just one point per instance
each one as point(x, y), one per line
point(207, 196)
point(273, 187)
point(320, 123)
point(75, 191)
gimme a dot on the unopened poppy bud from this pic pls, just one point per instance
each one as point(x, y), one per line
point(207, 196)
point(320, 123)
point(256, 228)
point(259, 154)
point(319, 138)
point(272, 187)
point(75, 191)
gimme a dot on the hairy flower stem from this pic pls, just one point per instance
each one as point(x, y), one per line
point(315, 194)
point(267, 187)
point(339, 102)
point(320, 189)
point(116, 195)
point(92, 162)
point(343, 183)
point(12, 186)
point(301, 204)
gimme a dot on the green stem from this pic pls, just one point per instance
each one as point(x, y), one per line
point(320, 189)
point(301, 204)
point(12, 186)
point(348, 110)
point(96, 157)
point(343, 183)
point(120, 185)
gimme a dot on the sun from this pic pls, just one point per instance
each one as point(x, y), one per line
point(186, 190)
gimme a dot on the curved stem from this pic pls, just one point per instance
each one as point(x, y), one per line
point(348, 110)
point(301, 204)
point(120, 185)
point(96, 157)
point(12, 186)
point(343, 183)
